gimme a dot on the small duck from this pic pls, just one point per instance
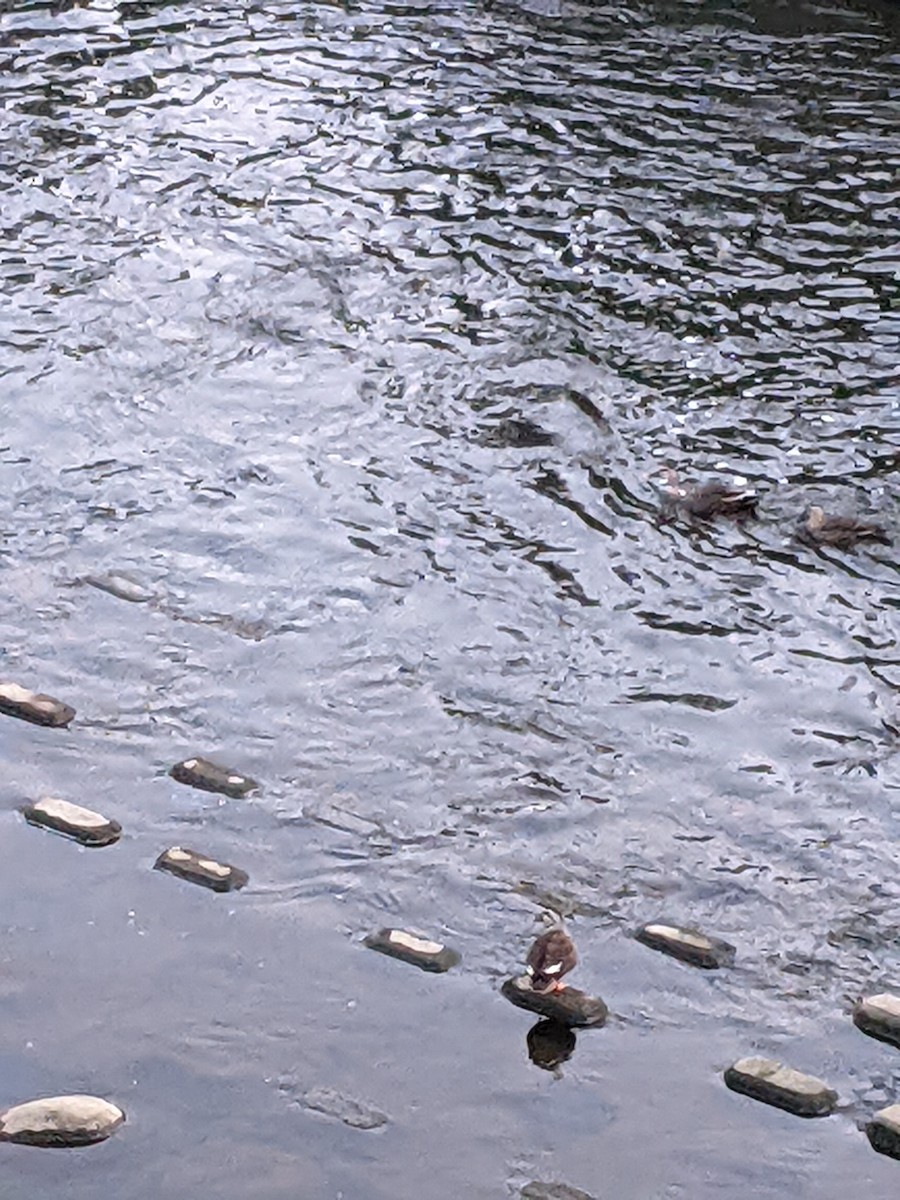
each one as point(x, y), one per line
point(820, 529)
point(707, 500)
point(552, 956)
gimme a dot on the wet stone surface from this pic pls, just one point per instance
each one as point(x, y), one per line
point(85, 826)
point(879, 1017)
point(198, 868)
point(688, 945)
point(61, 1121)
point(567, 1007)
point(767, 1080)
point(883, 1131)
point(35, 707)
point(210, 777)
point(410, 948)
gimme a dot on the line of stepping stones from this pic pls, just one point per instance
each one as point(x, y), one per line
point(81, 1120)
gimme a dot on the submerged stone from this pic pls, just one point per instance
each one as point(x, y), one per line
point(879, 1017)
point(89, 828)
point(421, 952)
point(768, 1081)
point(201, 773)
point(536, 1190)
point(568, 1007)
point(688, 945)
point(197, 868)
point(34, 706)
point(60, 1121)
point(883, 1131)
point(344, 1108)
point(122, 586)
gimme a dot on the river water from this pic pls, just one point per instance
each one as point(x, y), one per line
point(349, 336)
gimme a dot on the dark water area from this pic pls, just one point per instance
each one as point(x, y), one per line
point(351, 334)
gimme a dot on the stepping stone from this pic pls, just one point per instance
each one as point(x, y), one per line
point(879, 1017)
point(688, 945)
point(883, 1131)
point(34, 706)
point(201, 773)
point(89, 828)
point(198, 868)
point(768, 1081)
point(60, 1121)
point(569, 1007)
point(428, 955)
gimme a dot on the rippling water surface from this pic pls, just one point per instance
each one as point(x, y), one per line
point(352, 334)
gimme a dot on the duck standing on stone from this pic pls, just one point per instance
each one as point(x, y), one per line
point(706, 500)
point(551, 956)
point(820, 529)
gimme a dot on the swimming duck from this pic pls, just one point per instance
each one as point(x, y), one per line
point(707, 500)
point(843, 532)
point(552, 956)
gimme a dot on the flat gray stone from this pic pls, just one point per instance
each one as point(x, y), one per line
point(767, 1080)
point(71, 820)
point(210, 777)
point(34, 706)
point(569, 1007)
point(409, 948)
point(60, 1121)
point(879, 1017)
point(199, 868)
point(688, 945)
point(883, 1131)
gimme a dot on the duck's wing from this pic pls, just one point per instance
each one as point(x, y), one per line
point(552, 954)
point(714, 499)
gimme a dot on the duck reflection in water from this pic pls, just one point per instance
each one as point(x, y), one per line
point(550, 1044)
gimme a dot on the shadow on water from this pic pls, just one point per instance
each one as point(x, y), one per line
point(340, 345)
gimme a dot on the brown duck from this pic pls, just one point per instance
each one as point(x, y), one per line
point(552, 956)
point(707, 500)
point(821, 529)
